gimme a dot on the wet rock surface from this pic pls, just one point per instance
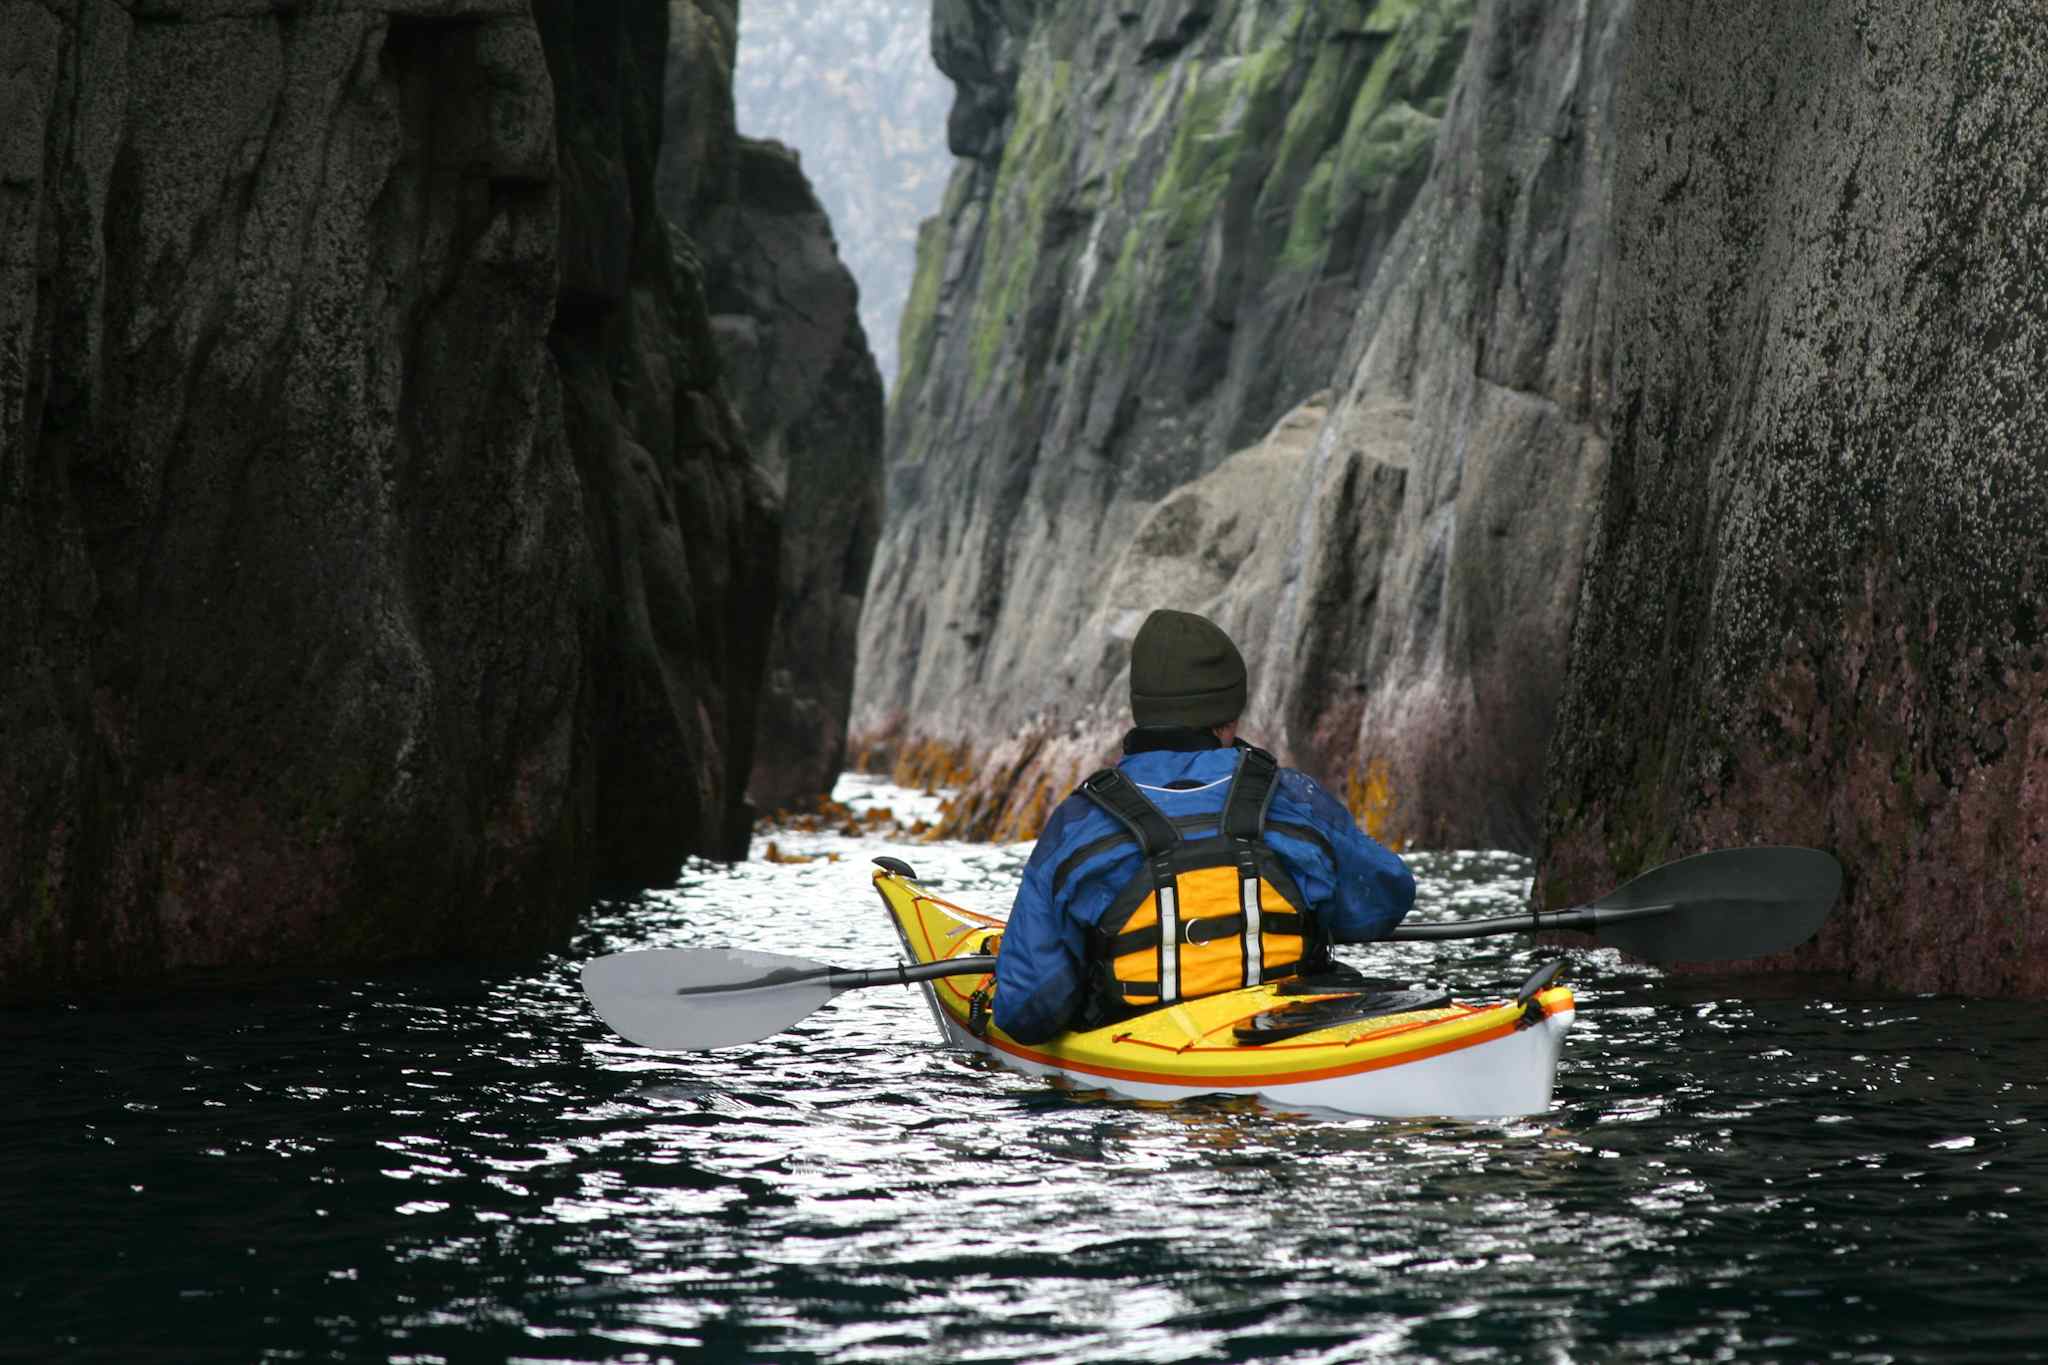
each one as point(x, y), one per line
point(376, 544)
point(1813, 611)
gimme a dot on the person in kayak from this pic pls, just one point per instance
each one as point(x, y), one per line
point(1195, 865)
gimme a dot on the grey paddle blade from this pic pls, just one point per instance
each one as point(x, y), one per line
point(693, 999)
point(1733, 903)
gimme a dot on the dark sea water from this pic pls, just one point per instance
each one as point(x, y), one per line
point(442, 1167)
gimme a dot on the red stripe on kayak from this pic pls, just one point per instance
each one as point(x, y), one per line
point(931, 950)
point(1324, 1073)
point(1466, 1012)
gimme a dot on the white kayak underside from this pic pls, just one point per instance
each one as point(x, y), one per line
point(1506, 1077)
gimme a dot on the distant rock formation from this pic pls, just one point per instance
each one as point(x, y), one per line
point(1814, 610)
point(380, 560)
point(785, 310)
point(851, 83)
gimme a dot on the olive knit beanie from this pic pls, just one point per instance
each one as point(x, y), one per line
point(1185, 671)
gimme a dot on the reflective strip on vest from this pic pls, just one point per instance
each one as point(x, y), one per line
point(1168, 898)
point(1254, 964)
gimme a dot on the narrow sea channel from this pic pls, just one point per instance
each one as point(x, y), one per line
point(442, 1167)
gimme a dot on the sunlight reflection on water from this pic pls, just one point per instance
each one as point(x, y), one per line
point(437, 1166)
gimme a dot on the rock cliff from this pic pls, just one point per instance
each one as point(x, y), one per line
point(1814, 608)
point(1688, 424)
point(1401, 566)
point(1153, 250)
point(379, 558)
point(1422, 646)
point(786, 312)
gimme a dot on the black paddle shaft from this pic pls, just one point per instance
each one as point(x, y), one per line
point(851, 978)
point(1587, 919)
point(905, 973)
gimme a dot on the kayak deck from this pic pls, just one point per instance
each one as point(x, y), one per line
point(1455, 1060)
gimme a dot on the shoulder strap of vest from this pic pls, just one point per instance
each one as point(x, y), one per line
point(1120, 796)
point(1251, 792)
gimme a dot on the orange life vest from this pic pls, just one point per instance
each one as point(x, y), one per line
point(1203, 916)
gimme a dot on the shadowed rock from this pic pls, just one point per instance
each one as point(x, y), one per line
point(375, 541)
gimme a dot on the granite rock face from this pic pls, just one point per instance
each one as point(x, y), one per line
point(377, 550)
point(786, 313)
point(1423, 643)
point(1154, 250)
point(1814, 610)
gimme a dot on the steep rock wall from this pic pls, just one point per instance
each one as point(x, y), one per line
point(1153, 251)
point(374, 538)
point(1218, 546)
point(1401, 570)
point(1422, 645)
point(786, 313)
point(1814, 612)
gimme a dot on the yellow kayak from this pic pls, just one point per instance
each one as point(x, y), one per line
point(1451, 1059)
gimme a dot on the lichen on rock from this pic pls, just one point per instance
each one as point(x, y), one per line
point(1813, 613)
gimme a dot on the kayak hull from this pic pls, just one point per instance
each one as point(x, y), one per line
point(1468, 1061)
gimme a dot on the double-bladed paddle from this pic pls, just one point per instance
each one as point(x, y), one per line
point(1712, 907)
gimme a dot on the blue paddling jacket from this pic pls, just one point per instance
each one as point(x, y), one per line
point(1356, 890)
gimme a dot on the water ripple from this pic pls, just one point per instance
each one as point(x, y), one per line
point(437, 1166)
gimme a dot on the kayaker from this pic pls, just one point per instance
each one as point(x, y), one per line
point(1197, 864)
